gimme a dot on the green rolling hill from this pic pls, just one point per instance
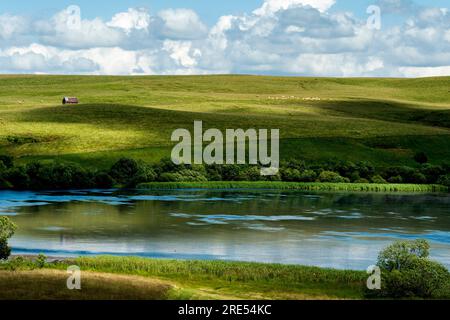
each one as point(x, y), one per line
point(385, 121)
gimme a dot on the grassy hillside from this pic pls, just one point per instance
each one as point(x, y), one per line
point(382, 120)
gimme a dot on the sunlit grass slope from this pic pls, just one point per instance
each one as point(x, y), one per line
point(382, 120)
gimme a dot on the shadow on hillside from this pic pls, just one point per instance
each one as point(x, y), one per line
point(389, 111)
point(145, 118)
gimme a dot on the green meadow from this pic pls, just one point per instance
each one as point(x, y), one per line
point(385, 121)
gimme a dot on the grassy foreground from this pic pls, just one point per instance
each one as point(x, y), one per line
point(110, 277)
point(313, 186)
point(385, 121)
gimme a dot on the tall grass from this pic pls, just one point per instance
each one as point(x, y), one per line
point(234, 276)
point(229, 271)
point(313, 186)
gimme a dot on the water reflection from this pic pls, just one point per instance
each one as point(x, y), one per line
point(341, 230)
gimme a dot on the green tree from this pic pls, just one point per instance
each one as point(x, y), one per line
point(406, 271)
point(7, 229)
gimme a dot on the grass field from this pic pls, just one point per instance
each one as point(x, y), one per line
point(141, 278)
point(384, 121)
point(313, 186)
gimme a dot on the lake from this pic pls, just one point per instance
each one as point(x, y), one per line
point(339, 230)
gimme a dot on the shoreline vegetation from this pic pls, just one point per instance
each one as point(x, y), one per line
point(138, 278)
point(334, 175)
point(313, 186)
point(20, 277)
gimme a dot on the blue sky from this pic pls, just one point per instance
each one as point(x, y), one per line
point(286, 37)
point(208, 10)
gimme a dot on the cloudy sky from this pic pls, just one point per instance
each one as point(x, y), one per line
point(408, 38)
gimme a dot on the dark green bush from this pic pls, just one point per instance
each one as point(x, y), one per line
point(421, 157)
point(406, 271)
point(422, 278)
point(290, 174)
point(395, 179)
point(418, 178)
point(123, 170)
point(378, 179)
point(145, 173)
point(445, 180)
point(365, 169)
point(7, 161)
point(330, 176)
point(5, 250)
point(252, 173)
point(56, 176)
point(183, 176)
point(230, 172)
point(432, 172)
point(103, 180)
point(18, 178)
point(7, 229)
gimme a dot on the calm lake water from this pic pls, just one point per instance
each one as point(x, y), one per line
point(340, 230)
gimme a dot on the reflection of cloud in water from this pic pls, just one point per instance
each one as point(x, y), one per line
point(330, 229)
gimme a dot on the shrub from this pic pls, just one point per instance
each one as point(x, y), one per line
point(124, 169)
point(403, 172)
point(406, 270)
point(365, 169)
point(330, 176)
point(421, 157)
point(5, 185)
point(307, 176)
point(145, 173)
point(378, 179)
point(250, 174)
point(213, 172)
point(345, 169)
point(58, 176)
point(423, 278)
point(432, 173)
point(418, 178)
point(16, 263)
point(445, 180)
point(18, 178)
point(41, 261)
point(103, 180)
point(7, 161)
point(290, 174)
point(3, 169)
point(5, 250)
point(230, 172)
point(183, 176)
point(395, 179)
point(398, 255)
point(7, 229)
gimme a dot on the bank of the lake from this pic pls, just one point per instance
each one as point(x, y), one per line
point(143, 278)
point(305, 186)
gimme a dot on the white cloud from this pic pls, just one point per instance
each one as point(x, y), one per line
point(272, 6)
point(294, 37)
point(182, 53)
point(182, 24)
point(89, 33)
point(138, 19)
point(414, 72)
point(11, 25)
